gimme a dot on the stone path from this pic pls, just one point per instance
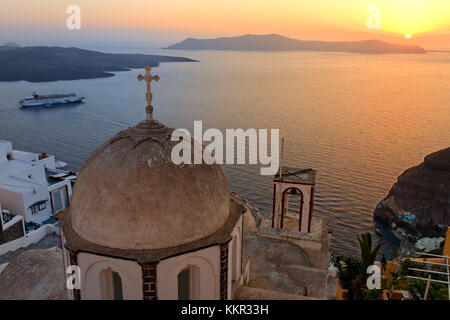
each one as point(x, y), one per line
point(48, 242)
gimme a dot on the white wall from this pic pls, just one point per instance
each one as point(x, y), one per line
point(19, 202)
point(37, 173)
point(234, 257)
point(32, 237)
point(31, 198)
point(208, 263)
point(49, 162)
point(12, 201)
point(91, 265)
point(5, 148)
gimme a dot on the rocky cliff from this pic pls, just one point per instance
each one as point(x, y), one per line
point(423, 190)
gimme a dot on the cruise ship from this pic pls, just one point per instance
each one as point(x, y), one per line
point(37, 100)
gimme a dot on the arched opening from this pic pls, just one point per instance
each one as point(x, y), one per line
point(234, 255)
point(111, 285)
point(292, 205)
point(184, 284)
point(188, 283)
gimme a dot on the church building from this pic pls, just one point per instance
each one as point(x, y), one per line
point(141, 227)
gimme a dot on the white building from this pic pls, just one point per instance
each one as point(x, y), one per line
point(31, 185)
point(429, 244)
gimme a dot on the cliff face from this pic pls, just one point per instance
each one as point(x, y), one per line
point(423, 190)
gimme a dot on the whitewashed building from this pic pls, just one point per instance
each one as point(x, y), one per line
point(31, 185)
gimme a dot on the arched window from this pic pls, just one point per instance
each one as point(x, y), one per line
point(184, 284)
point(234, 256)
point(292, 206)
point(117, 286)
point(188, 286)
point(111, 285)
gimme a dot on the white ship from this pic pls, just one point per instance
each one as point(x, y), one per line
point(37, 100)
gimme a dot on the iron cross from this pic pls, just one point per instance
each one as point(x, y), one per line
point(148, 78)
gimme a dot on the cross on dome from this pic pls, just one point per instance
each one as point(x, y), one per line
point(149, 96)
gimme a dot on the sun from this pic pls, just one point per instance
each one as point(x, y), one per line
point(408, 36)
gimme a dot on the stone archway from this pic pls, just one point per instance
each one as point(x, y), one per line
point(291, 191)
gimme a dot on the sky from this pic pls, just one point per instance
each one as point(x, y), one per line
point(163, 22)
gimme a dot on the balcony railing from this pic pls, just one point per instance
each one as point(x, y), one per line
point(436, 260)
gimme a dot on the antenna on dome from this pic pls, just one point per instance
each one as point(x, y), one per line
point(280, 178)
point(281, 159)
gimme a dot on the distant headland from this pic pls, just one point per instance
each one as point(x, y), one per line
point(275, 42)
point(41, 64)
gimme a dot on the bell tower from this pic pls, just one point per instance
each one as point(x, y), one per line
point(293, 199)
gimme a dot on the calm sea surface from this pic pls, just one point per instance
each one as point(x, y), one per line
point(360, 120)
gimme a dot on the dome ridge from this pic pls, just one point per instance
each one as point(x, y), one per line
point(146, 130)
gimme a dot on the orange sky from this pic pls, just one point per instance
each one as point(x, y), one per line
point(166, 21)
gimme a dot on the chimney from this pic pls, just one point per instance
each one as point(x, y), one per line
point(5, 151)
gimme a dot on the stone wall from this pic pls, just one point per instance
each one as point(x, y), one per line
point(285, 261)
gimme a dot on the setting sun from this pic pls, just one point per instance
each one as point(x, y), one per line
point(425, 20)
point(276, 150)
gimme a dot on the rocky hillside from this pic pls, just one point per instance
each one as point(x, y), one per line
point(423, 190)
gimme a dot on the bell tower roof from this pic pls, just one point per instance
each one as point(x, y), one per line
point(296, 175)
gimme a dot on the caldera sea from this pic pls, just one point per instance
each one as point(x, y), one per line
point(359, 120)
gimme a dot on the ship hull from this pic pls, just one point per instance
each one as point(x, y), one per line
point(51, 102)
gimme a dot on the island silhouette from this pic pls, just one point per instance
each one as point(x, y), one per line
point(276, 42)
point(42, 64)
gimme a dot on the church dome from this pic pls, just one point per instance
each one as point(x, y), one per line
point(130, 195)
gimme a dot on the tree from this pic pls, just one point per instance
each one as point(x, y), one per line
point(368, 255)
point(354, 274)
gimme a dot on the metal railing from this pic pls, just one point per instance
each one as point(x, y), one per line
point(429, 264)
